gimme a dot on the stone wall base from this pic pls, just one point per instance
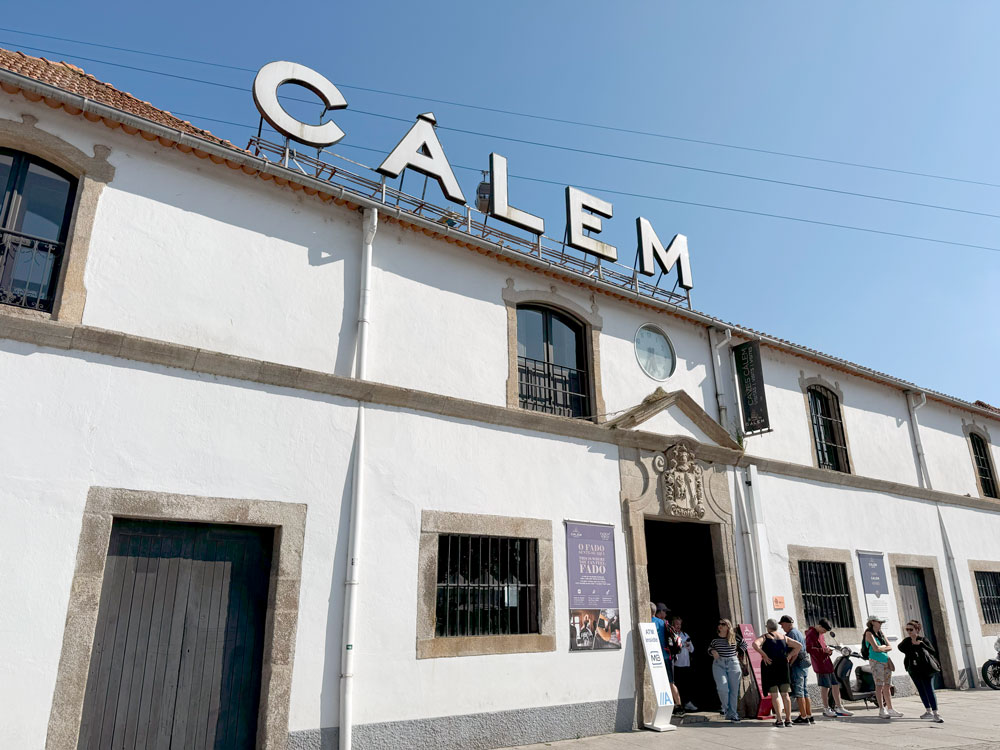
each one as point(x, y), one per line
point(480, 731)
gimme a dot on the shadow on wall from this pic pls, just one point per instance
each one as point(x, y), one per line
point(249, 205)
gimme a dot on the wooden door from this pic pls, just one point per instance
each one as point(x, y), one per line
point(176, 663)
point(916, 606)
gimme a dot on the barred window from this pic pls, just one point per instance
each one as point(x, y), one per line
point(984, 467)
point(486, 585)
point(34, 220)
point(551, 363)
point(988, 584)
point(826, 593)
point(828, 429)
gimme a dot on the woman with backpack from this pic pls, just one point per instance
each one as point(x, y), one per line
point(778, 652)
point(921, 663)
point(876, 648)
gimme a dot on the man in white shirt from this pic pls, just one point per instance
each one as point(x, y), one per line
point(682, 663)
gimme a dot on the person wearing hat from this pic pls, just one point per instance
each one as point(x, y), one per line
point(876, 649)
point(800, 672)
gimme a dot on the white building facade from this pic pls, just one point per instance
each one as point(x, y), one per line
point(179, 348)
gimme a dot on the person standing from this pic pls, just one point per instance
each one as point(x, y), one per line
point(876, 648)
point(725, 649)
point(682, 664)
point(921, 663)
point(777, 653)
point(670, 648)
point(800, 672)
point(822, 665)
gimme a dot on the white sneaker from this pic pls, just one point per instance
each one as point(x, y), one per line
point(937, 718)
point(689, 706)
point(841, 711)
point(927, 715)
point(829, 713)
point(895, 714)
point(883, 714)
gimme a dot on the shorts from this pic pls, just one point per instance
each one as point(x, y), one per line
point(880, 672)
point(670, 669)
point(782, 688)
point(826, 679)
point(800, 682)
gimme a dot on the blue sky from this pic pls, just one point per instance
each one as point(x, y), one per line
point(904, 85)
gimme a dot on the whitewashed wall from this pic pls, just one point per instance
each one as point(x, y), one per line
point(949, 457)
point(875, 419)
point(148, 428)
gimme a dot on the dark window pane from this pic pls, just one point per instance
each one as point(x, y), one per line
point(825, 593)
point(988, 583)
point(981, 456)
point(43, 203)
point(486, 585)
point(530, 334)
point(6, 169)
point(564, 343)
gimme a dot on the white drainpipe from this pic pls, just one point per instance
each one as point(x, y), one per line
point(967, 651)
point(720, 383)
point(369, 226)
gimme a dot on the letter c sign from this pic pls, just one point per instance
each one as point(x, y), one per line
point(265, 96)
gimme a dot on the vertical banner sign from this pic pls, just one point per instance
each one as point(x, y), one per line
point(593, 587)
point(658, 676)
point(874, 583)
point(750, 376)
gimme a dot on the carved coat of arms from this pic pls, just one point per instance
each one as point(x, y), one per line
point(683, 483)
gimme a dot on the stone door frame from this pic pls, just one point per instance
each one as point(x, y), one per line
point(643, 497)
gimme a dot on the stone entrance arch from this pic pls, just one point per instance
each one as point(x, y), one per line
point(675, 485)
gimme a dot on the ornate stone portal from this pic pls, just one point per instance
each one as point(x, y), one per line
point(683, 482)
point(674, 485)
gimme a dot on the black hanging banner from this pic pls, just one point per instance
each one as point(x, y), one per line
point(750, 376)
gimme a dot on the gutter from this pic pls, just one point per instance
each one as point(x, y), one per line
point(255, 164)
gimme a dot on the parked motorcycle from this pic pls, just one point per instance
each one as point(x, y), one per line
point(991, 669)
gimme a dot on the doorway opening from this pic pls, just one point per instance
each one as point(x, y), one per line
point(681, 572)
point(916, 606)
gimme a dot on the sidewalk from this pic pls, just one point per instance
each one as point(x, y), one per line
point(971, 721)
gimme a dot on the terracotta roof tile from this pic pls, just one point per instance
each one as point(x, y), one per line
point(73, 79)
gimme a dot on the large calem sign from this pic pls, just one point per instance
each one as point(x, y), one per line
point(421, 150)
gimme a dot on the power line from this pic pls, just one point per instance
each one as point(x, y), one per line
point(514, 113)
point(677, 201)
point(558, 147)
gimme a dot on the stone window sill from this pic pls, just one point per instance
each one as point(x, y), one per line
point(480, 645)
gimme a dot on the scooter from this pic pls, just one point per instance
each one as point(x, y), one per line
point(991, 669)
point(865, 690)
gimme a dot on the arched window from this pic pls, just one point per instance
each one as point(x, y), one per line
point(34, 219)
point(828, 429)
point(551, 362)
point(984, 467)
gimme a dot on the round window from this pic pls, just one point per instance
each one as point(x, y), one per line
point(654, 352)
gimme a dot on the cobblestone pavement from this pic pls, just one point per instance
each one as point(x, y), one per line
point(971, 722)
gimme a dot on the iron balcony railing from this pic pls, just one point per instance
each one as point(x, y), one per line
point(29, 268)
point(552, 389)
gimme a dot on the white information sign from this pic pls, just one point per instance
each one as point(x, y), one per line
point(661, 682)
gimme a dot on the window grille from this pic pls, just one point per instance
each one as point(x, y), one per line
point(34, 218)
point(989, 595)
point(825, 593)
point(828, 429)
point(981, 454)
point(551, 363)
point(486, 585)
